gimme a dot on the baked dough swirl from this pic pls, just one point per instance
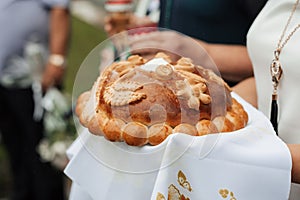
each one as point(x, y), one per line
point(142, 102)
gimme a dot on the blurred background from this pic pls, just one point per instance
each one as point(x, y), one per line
point(87, 31)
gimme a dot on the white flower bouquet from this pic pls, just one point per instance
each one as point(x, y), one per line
point(59, 128)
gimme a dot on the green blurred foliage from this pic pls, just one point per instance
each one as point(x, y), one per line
point(83, 39)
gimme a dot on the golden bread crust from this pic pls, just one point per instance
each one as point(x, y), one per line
point(140, 106)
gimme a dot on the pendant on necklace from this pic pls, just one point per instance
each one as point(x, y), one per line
point(276, 72)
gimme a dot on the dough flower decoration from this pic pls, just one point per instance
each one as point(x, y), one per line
point(142, 102)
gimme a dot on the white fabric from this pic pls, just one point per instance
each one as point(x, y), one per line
point(252, 163)
point(262, 40)
point(77, 193)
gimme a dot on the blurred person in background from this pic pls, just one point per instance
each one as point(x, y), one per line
point(33, 45)
point(145, 14)
point(125, 15)
point(214, 24)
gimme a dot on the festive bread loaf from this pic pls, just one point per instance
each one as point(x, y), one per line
point(142, 102)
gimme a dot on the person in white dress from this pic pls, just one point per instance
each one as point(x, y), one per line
point(277, 27)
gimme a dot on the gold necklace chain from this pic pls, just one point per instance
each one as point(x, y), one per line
point(279, 45)
point(275, 67)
